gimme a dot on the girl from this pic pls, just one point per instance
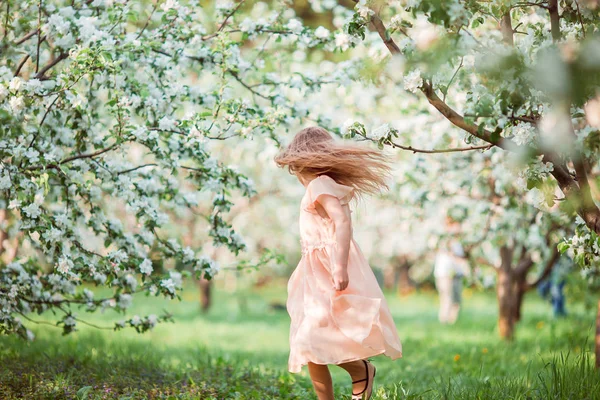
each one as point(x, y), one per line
point(338, 312)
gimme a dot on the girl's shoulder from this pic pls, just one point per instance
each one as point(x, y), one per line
point(326, 185)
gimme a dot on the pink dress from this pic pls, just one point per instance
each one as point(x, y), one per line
point(330, 327)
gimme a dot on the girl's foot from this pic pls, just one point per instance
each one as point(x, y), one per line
point(363, 388)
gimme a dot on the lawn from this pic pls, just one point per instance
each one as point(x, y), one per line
point(239, 351)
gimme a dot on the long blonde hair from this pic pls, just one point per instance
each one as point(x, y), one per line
point(314, 152)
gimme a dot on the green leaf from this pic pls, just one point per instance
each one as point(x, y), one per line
point(82, 393)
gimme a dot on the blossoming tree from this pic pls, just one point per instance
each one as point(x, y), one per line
point(107, 114)
point(524, 77)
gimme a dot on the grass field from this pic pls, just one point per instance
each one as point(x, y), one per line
point(239, 351)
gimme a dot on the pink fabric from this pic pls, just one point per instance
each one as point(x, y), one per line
point(330, 327)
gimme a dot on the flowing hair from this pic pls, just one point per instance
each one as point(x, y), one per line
point(313, 152)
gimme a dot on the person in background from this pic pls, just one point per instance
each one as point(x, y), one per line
point(449, 270)
point(553, 287)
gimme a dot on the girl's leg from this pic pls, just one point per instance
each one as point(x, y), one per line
point(321, 380)
point(357, 372)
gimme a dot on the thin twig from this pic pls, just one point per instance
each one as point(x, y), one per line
point(580, 18)
point(244, 84)
point(21, 64)
point(40, 75)
point(25, 38)
point(39, 36)
point(148, 20)
point(452, 79)
point(38, 322)
point(222, 25)
point(452, 150)
point(136, 168)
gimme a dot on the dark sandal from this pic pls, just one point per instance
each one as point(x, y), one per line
point(366, 393)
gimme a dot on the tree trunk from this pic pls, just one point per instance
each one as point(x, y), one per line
point(506, 305)
point(554, 19)
point(520, 294)
point(506, 293)
point(3, 234)
point(598, 337)
point(506, 29)
point(405, 284)
point(205, 293)
point(389, 277)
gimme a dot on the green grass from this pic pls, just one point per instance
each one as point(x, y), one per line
point(239, 351)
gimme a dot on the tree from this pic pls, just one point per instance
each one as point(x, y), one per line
point(527, 78)
point(107, 114)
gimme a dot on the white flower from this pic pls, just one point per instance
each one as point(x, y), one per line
point(152, 320)
point(5, 183)
point(34, 85)
point(383, 132)
point(125, 300)
point(131, 281)
point(248, 25)
point(64, 265)
point(14, 290)
point(32, 155)
point(3, 92)
point(364, 11)
point(32, 210)
point(166, 123)
point(322, 32)
point(135, 320)
point(523, 133)
point(15, 84)
point(146, 267)
point(535, 197)
point(88, 294)
point(413, 81)
point(170, 4)
point(342, 40)
point(53, 235)
point(295, 25)
point(69, 321)
point(176, 277)
point(118, 256)
point(30, 335)
point(188, 254)
point(169, 285)
point(17, 104)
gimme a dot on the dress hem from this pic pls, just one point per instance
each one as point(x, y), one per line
point(344, 361)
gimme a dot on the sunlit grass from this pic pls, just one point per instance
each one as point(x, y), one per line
point(239, 350)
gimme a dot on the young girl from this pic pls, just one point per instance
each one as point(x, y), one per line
point(338, 312)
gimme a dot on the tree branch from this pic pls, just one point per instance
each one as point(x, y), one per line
point(51, 64)
point(21, 64)
point(427, 89)
point(452, 150)
point(39, 37)
point(148, 20)
point(554, 19)
point(506, 29)
point(580, 19)
point(136, 168)
point(547, 270)
point(222, 25)
point(25, 38)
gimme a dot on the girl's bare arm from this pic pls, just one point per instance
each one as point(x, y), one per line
point(340, 216)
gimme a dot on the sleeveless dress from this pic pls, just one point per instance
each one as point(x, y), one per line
point(330, 327)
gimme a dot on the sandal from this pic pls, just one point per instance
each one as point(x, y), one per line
point(368, 390)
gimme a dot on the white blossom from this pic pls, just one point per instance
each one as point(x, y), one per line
point(32, 210)
point(146, 267)
point(413, 81)
point(382, 132)
point(322, 32)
